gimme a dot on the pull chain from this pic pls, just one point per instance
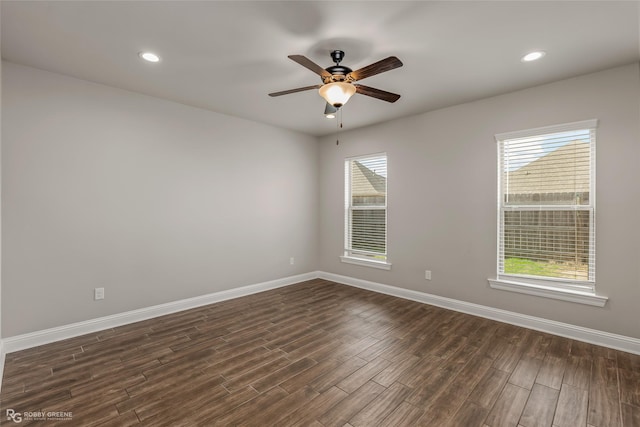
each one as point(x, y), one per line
point(338, 124)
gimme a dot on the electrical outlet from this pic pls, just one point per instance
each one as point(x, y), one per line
point(292, 260)
point(427, 274)
point(98, 293)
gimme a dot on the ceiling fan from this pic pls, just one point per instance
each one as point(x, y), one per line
point(338, 81)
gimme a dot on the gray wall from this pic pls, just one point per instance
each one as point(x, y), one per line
point(157, 201)
point(152, 200)
point(442, 196)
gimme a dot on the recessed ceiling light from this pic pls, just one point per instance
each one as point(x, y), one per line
point(532, 56)
point(149, 56)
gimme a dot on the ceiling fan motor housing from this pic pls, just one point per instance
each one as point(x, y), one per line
point(338, 72)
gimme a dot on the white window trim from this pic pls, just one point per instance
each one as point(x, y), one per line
point(349, 256)
point(588, 298)
point(547, 288)
point(565, 127)
point(382, 265)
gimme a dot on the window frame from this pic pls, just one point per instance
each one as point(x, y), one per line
point(582, 291)
point(357, 256)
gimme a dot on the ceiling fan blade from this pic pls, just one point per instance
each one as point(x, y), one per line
point(307, 63)
point(381, 66)
point(300, 89)
point(376, 93)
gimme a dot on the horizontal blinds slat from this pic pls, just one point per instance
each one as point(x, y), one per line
point(364, 252)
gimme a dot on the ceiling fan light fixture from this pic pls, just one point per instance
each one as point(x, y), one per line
point(337, 93)
point(330, 111)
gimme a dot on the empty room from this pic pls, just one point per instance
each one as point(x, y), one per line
point(320, 213)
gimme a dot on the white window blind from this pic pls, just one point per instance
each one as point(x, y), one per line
point(366, 207)
point(547, 205)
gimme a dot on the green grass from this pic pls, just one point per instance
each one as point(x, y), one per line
point(531, 268)
point(564, 270)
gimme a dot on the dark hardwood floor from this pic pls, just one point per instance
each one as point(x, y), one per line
point(323, 354)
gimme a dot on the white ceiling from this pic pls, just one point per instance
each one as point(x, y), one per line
point(227, 56)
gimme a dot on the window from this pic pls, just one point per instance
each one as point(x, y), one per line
point(546, 223)
point(366, 211)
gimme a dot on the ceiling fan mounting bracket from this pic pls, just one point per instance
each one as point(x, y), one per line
point(337, 56)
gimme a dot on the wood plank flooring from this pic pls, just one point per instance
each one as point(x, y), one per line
point(322, 354)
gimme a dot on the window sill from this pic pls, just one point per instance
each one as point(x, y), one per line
point(382, 265)
point(579, 297)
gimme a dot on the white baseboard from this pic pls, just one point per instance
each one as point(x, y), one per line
point(605, 339)
point(34, 339)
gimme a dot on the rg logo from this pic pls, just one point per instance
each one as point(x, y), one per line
point(14, 416)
